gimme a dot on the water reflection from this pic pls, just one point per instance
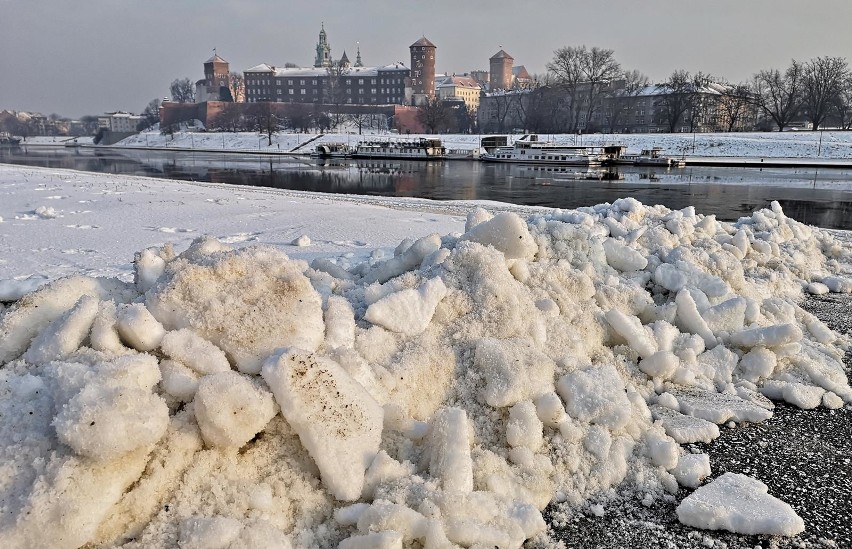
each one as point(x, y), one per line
point(819, 197)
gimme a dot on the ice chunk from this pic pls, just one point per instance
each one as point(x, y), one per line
point(178, 380)
point(338, 422)
point(506, 232)
point(661, 364)
point(838, 284)
point(739, 504)
point(248, 302)
point(669, 277)
point(631, 329)
point(806, 397)
point(757, 363)
point(383, 469)
point(138, 327)
point(406, 261)
point(514, 370)
point(190, 349)
point(104, 335)
point(113, 416)
point(209, 532)
point(475, 217)
point(596, 395)
point(661, 449)
point(524, 428)
point(449, 450)
point(231, 409)
point(817, 288)
point(718, 407)
point(728, 316)
point(408, 311)
point(691, 469)
point(623, 258)
point(690, 320)
point(682, 428)
point(261, 534)
point(339, 323)
point(64, 335)
point(384, 515)
point(29, 316)
point(149, 266)
point(771, 336)
point(301, 241)
point(549, 409)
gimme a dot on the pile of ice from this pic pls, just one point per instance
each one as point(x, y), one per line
point(442, 397)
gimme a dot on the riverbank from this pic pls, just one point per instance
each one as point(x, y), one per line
point(477, 413)
point(823, 145)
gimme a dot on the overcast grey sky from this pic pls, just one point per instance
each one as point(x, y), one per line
point(76, 57)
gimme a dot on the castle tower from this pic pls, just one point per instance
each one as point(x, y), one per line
point(358, 62)
point(216, 72)
point(344, 60)
point(323, 58)
point(422, 69)
point(501, 71)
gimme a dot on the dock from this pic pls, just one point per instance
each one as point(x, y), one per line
point(768, 162)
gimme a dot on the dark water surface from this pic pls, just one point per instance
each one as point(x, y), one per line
point(818, 197)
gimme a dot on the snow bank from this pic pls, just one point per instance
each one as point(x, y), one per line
point(445, 395)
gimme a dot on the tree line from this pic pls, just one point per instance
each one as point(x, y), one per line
point(586, 89)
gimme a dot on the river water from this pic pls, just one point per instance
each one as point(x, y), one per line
point(818, 197)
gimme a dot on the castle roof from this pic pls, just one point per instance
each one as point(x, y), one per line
point(216, 59)
point(322, 71)
point(423, 42)
point(501, 55)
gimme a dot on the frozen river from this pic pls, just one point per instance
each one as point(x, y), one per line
point(818, 197)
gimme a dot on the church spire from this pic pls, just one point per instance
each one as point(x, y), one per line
point(323, 58)
point(358, 62)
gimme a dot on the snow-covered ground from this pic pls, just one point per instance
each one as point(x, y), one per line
point(243, 367)
point(829, 144)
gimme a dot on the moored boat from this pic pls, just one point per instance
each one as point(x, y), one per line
point(543, 152)
point(332, 150)
point(651, 157)
point(416, 149)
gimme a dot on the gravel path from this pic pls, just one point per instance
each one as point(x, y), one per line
point(804, 456)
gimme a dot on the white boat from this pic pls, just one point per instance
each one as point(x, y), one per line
point(416, 149)
point(651, 157)
point(332, 150)
point(543, 152)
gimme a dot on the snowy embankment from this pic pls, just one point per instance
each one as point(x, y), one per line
point(445, 392)
point(768, 145)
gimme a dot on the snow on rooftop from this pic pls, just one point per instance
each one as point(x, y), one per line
point(419, 377)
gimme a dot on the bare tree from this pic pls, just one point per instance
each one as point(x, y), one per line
point(842, 111)
point(299, 116)
point(497, 108)
point(182, 90)
point(674, 99)
point(822, 83)
point(434, 115)
point(701, 102)
point(625, 100)
point(735, 105)
point(599, 69)
point(584, 74)
point(779, 95)
point(150, 115)
point(237, 87)
point(335, 91)
point(266, 121)
point(360, 120)
point(567, 70)
point(231, 118)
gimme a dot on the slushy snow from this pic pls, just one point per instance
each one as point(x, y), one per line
point(237, 397)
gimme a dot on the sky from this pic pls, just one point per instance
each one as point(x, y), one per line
point(91, 56)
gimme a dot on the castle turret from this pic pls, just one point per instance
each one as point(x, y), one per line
point(422, 70)
point(501, 71)
point(323, 58)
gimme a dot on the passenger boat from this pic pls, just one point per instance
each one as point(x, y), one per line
point(651, 157)
point(543, 152)
point(415, 149)
point(332, 150)
point(8, 140)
